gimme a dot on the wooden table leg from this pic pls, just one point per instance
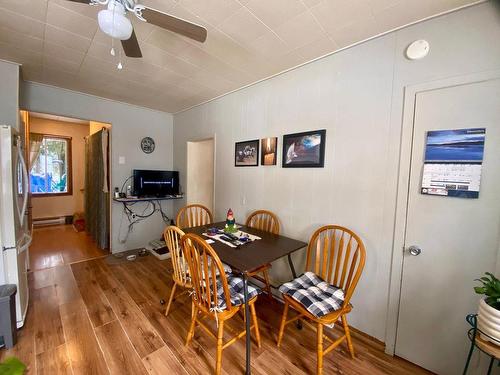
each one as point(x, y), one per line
point(294, 274)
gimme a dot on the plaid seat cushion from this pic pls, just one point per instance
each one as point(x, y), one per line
point(316, 295)
point(237, 297)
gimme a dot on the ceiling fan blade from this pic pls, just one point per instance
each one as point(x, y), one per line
point(80, 1)
point(131, 46)
point(175, 24)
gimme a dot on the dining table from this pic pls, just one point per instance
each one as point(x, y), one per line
point(249, 256)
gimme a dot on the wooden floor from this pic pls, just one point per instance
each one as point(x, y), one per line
point(57, 245)
point(94, 318)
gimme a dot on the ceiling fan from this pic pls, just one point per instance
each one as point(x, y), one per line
point(114, 22)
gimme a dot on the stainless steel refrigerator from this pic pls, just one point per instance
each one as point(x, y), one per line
point(15, 236)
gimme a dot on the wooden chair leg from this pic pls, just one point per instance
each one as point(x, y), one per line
point(172, 293)
point(319, 366)
point(218, 357)
point(192, 325)
point(267, 288)
point(282, 325)
point(348, 335)
point(255, 323)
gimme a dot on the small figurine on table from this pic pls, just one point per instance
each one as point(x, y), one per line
point(230, 223)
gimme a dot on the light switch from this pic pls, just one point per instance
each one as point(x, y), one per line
point(121, 160)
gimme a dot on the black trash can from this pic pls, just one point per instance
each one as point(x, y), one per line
point(8, 328)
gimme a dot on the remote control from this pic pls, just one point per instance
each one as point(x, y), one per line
point(232, 236)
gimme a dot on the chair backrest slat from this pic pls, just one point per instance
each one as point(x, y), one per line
point(324, 263)
point(206, 271)
point(193, 215)
point(347, 255)
point(337, 255)
point(340, 253)
point(264, 220)
point(173, 235)
point(331, 251)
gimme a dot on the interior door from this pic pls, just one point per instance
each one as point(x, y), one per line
point(458, 237)
point(200, 173)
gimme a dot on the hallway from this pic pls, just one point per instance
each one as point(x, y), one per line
point(60, 245)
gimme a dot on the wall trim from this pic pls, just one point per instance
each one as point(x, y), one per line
point(410, 93)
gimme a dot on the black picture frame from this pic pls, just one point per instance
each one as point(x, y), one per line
point(246, 147)
point(269, 151)
point(310, 158)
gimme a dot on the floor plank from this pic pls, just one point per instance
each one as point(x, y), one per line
point(173, 330)
point(118, 351)
point(43, 278)
point(98, 306)
point(48, 326)
point(140, 331)
point(57, 245)
point(65, 283)
point(84, 353)
point(163, 362)
point(275, 364)
point(54, 362)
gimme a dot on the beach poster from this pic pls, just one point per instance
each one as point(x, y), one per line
point(453, 162)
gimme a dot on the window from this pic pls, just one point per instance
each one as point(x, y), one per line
point(51, 171)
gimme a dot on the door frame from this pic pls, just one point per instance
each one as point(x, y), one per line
point(402, 191)
point(214, 139)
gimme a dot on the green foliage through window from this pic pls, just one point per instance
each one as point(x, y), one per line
point(49, 173)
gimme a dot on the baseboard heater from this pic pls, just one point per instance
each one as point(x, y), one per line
point(50, 221)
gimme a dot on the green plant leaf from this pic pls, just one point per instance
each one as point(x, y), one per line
point(12, 366)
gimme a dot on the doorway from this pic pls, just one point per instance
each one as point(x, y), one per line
point(458, 238)
point(200, 172)
point(56, 157)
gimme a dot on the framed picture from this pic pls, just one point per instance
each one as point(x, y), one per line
point(269, 148)
point(246, 154)
point(304, 150)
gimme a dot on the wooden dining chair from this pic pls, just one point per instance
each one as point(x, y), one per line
point(268, 222)
point(180, 276)
point(193, 215)
point(335, 261)
point(215, 296)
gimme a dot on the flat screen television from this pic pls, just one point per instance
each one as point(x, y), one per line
point(150, 183)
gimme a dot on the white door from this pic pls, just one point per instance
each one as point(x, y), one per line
point(200, 173)
point(459, 238)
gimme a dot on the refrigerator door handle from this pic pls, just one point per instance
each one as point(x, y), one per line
point(25, 187)
point(27, 242)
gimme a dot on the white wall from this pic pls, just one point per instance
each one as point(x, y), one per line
point(129, 125)
point(9, 94)
point(63, 205)
point(357, 95)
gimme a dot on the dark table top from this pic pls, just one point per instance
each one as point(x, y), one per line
point(251, 255)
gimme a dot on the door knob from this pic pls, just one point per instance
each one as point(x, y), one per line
point(414, 250)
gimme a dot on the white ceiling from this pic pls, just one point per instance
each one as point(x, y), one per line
point(59, 43)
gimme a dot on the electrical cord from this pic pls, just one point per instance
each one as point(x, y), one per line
point(128, 179)
point(134, 218)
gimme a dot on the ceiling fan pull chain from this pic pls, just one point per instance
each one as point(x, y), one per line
point(120, 65)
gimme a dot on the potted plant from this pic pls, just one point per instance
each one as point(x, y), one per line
point(488, 316)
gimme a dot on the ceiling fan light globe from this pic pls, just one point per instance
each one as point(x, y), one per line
point(116, 26)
